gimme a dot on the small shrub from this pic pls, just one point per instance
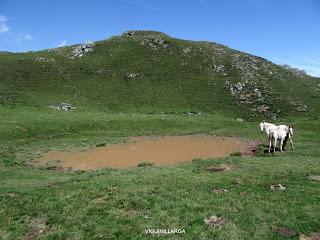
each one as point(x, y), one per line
point(236, 154)
point(197, 160)
point(101, 145)
point(145, 164)
point(219, 168)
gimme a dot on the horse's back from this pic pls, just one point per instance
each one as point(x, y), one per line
point(278, 132)
point(284, 127)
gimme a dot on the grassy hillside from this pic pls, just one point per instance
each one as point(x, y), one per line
point(148, 71)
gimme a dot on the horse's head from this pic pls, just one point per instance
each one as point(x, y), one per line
point(290, 129)
point(262, 126)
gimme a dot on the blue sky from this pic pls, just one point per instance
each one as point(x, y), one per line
point(283, 31)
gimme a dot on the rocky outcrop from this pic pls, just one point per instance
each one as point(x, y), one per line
point(294, 70)
point(86, 47)
point(155, 43)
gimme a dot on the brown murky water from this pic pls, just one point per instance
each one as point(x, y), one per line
point(159, 151)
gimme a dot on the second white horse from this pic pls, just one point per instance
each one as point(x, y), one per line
point(278, 133)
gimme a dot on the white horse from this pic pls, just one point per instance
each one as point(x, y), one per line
point(266, 127)
point(279, 133)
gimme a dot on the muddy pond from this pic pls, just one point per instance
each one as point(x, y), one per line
point(157, 150)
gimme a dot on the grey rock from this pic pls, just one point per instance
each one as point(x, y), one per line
point(63, 106)
point(278, 187)
point(214, 221)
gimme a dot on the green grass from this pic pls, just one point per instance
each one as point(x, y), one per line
point(121, 204)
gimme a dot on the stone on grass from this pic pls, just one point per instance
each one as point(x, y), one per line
point(145, 164)
point(63, 106)
point(133, 75)
point(314, 178)
point(313, 236)
point(278, 187)
point(214, 221)
point(219, 190)
point(244, 193)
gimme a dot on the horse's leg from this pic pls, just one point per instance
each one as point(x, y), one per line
point(275, 144)
point(270, 143)
point(291, 142)
point(285, 142)
point(281, 144)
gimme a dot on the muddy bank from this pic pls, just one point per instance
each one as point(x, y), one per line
point(158, 151)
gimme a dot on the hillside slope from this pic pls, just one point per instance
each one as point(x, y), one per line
point(151, 72)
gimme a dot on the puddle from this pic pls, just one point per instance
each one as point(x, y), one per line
point(158, 151)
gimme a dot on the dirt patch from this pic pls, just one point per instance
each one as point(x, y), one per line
point(49, 184)
point(60, 169)
point(313, 236)
point(314, 178)
point(251, 148)
point(285, 231)
point(11, 194)
point(157, 151)
point(219, 190)
point(214, 221)
point(219, 168)
point(244, 193)
point(22, 129)
point(38, 227)
point(99, 200)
